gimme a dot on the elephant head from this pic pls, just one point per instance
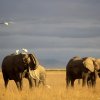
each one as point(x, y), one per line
point(92, 64)
point(30, 61)
point(97, 61)
point(88, 63)
point(33, 62)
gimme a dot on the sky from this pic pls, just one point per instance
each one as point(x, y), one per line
point(55, 30)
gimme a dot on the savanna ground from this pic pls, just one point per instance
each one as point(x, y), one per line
point(57, 90)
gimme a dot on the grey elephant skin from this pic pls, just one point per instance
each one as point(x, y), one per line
point(15, 67)
point(76, 69)
point(38, 75)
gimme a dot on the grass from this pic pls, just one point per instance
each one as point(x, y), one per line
point(57, 90)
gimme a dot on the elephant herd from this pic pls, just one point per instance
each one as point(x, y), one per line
point(86, 68)
point(25, 65)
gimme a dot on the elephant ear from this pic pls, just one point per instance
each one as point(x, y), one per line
point(97, 64)
point(88, 63)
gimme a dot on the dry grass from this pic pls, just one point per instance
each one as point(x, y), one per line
point(58, 91)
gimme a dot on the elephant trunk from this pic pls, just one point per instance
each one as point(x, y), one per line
point(96, 66)
point(99, 74)
point(35, 62)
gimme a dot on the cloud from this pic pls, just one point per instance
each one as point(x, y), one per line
point(54, 18)
point(70, 9)
point(55, 29)
point(47, 42)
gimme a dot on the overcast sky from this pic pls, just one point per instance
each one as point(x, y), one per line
point(55, 30)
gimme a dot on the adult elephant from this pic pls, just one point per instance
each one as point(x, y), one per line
point(38, 75)
point(15, 67)
point(81, 68)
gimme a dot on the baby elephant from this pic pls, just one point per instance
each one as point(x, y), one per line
point(38, 75)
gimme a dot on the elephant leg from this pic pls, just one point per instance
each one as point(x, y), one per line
point(94, 84)
point(21, 84)
point(79, 81)
point(44, 82)
point(18, 80)
point(93, 81)
point(18, 84)
point(72, 82)
point(89, 82)
point(36, 82)
point(21, 81)
point(5, 80)
point(84, 79)
point(42, 79)
point(84, 82)
point(30, 81)
point(68, 80)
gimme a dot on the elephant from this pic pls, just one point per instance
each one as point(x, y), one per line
point(38, 75)
point(81, 68)
point(16, 67)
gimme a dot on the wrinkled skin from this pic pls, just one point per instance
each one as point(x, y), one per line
point(76, 70)
point(15, 67)
point(38, 75)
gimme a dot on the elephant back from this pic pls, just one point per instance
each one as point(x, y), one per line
point(76, 58)
point(7, 61)
point(12, 62)
point(75, 61)
point(88, 63)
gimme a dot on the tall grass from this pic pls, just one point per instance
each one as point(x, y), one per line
point(57, 90)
